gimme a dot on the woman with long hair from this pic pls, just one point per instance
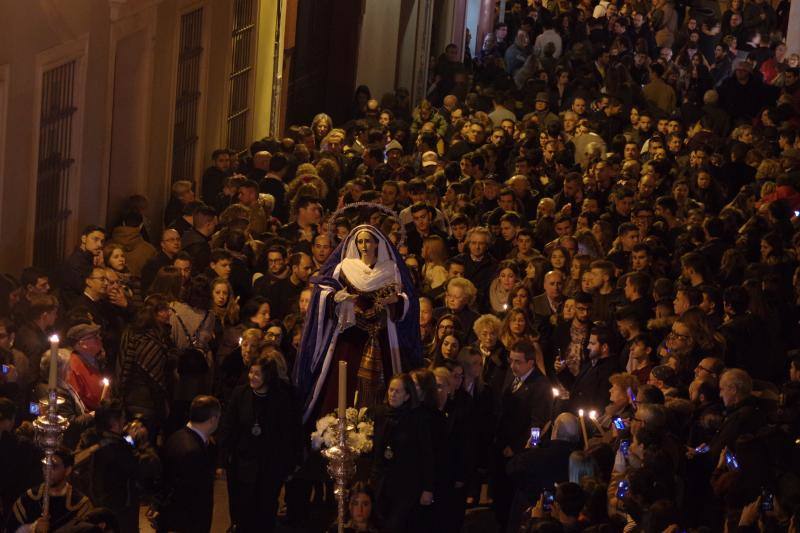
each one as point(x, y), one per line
point(260, 433)
point(560, 260)
point(225, 307)
point(434, 273)
point(517, 326)
point(143, 366)
point(114, 258)
point(579, 265)
point(447, 350)
point(192, 326)
point(508, 274)
point(321, 125)
point(447, 324)
point(360, 510)
point(167, 283)
point(520, 297)
point(403, 471)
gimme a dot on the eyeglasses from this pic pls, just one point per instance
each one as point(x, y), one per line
point(679, 336)
point(701, 367)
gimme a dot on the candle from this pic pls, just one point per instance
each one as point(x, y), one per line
point(52, 381)
point(556, 392)
point(342, 389)
point(583, 429)
point(104, 394)
point(593, 418)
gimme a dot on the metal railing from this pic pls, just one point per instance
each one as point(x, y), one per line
point(54, 166)
point(187, 97)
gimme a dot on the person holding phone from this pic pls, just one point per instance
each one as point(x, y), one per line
point(619, 406)
point(564, 509)
point(536, 469)
point(117, 470)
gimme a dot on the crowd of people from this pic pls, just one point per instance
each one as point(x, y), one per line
point(599, 211)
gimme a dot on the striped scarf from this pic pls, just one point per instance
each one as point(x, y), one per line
point(146, 351)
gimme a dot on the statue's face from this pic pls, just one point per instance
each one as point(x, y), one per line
point(367, 244)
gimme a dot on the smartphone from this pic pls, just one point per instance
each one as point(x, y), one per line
point(631, 396)
point(730, 460)
point(535, 434)
point(703, 448)
point(547, 500)
point(622, 489)
point(129, 440)
point(767, 501)
point(619, 423)
point(624, 447)
point(4, 369)
point(33, 408)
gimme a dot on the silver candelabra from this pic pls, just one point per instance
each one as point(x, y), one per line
point(49, 427)
point(341, 467)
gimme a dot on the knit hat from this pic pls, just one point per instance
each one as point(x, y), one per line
point(394, 145)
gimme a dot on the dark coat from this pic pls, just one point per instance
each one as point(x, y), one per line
point(76, 268)
point(740, 419)
point(197, 245)
point(273, 185)
point(151, 268)
point(189, 481)
point(116, 471)
point(534, 470)
point(528, 407)
point(31, 341)
point(275, 451)
point(480, 274)
point(589, 389)
point(403, 459)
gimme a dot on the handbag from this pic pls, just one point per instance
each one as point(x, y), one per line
point(192, 359)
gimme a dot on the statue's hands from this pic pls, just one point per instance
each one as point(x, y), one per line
point(389, 300)
point(343, 295)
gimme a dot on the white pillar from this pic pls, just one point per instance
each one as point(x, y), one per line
point(793, 37)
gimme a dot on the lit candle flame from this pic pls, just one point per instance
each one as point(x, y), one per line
point(593, 414)
point(556, 392)
point(54, 338)
point(106, 383)
point(580, 412)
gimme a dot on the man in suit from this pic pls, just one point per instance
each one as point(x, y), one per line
point(170, 246)
point(526, 402)
point(589, 389)
point(189, 470)
point(546, 304)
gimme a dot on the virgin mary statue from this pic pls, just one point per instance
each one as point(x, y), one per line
point(364, 310)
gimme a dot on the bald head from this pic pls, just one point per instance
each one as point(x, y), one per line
point(170, 242)
point(450, 101)
point(553, 284)
point(261, 160)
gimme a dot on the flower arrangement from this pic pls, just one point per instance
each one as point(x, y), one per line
point(359, 431)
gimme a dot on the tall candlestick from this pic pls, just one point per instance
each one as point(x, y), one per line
point(52, 382)
point(342, 389)
point(583, 429)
